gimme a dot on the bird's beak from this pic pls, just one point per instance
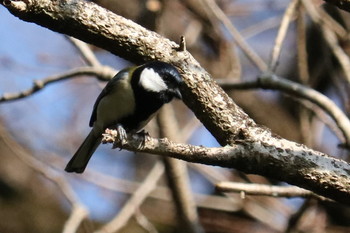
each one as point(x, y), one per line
point(177, 94)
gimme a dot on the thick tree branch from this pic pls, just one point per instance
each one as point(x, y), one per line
point(254, 148)
point(276, 158)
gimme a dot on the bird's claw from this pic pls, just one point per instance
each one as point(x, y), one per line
point(122, 136)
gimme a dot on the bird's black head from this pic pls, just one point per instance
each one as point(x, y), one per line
point(159, 78)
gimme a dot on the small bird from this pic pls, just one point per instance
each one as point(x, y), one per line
point(128, 102)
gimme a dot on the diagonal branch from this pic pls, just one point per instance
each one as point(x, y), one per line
point(85, 51)
point(276, 51)
point(330, 37)
point(135, 201)
point(239, 40)
point(177, 175)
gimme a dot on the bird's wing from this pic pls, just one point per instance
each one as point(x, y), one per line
point(120, 75)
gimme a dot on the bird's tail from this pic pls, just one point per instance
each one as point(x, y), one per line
point(81, 158)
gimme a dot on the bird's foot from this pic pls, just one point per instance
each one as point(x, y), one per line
point(122, 136)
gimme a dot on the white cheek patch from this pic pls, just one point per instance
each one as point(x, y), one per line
point(151, 81)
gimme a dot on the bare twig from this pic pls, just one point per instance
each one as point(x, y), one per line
point(322, 116)
point(262, 26)
point(220, 15)
point(85, 51)
point(78, 214)
point(303, 71)
point(101, 72)
point(144, 222)
point(266, 190)
point(295, 218)
point(332, 24)
point(177, 175)
point(249, 204)
point(135, 201)
point(276, 51)
point(301, 46)
point(331, 38)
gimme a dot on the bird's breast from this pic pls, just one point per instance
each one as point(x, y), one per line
point(118, 104)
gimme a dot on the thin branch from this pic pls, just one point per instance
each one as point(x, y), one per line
point(266, 190)
point(85, 51)
point(330, 37)
point(220, 15)
point(101, 72)
point(304, 77)
point(296, 217)
point(78, 214)
point(303, 68)
point(260, 27)
point(332, 24)
point(248, 205)
point(144, 222)
point(177, 175)
point(276, 51)
point(282, 162)
point(273, 82)
point(135, 200)
point(322, 116)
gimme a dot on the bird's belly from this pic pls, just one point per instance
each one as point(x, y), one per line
point(115, 107)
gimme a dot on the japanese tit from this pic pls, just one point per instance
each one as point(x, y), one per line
point(129, 101)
